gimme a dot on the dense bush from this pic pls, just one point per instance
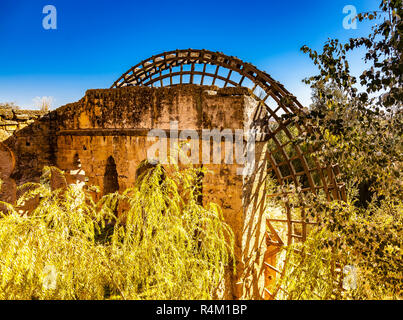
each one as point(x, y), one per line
point(362, 130)
point(163, 245)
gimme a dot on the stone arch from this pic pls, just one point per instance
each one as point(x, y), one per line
point(288, 161)
point(111, 183)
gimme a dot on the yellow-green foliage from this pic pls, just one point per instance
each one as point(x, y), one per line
point(309, 271)
point(369, 240)
point(166, 246)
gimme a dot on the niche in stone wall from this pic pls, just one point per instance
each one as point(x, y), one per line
point(111, 183)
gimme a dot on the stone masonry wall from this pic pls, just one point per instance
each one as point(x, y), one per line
point(105, 135)
point(12, 120)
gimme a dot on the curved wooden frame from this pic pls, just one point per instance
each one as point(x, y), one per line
point(168, 69)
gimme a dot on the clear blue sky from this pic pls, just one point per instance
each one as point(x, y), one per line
point(97, 40)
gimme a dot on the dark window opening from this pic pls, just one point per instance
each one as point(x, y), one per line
point(111, 183)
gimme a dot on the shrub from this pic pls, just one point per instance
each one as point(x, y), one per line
point(164, 245)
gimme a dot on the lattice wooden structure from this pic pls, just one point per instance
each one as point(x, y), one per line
point(289, 161)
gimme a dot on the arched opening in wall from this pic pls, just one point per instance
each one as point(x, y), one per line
point(111, 183)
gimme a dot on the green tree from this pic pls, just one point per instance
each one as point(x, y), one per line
point(361, 128)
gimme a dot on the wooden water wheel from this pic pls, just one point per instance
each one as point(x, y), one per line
point(290, 162)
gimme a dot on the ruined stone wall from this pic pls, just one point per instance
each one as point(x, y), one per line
point(18, 129)
point(12, 120)
point(115, 123)
point(33, 146)
point(106, 132)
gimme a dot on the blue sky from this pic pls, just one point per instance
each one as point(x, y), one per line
point(97, 40)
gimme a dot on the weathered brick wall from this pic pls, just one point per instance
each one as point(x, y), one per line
point(107, 132)
point(115, 123)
